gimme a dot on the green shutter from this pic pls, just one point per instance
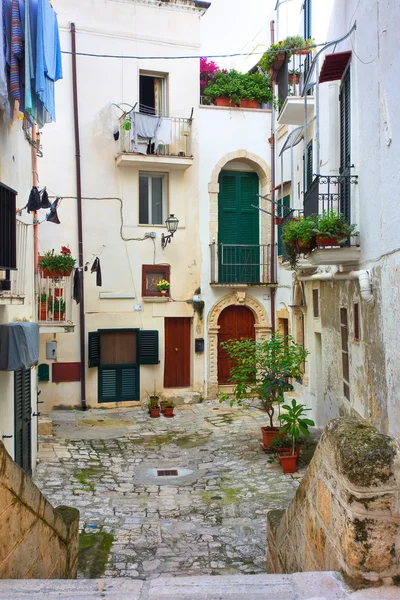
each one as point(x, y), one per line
point(148, 348)
point(283, 210)
point(119, 383)
point(94, 349)
point(43, 372)
point(22, 419)
point(309, 165)
point(238, 225)
point(345, 146)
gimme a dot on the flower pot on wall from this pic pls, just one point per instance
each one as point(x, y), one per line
point(222, 102)
point(42, 311)
point(325, 241)
point(59, 316)
point(303, 247)
point(244, 103)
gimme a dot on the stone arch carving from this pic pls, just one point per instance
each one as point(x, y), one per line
point(262, 330)
point(260, 167)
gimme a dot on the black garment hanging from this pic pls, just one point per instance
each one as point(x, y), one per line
point(45, 202)
point(52, 216)
point(96, 268)
point(34, 200)
point(77, 291)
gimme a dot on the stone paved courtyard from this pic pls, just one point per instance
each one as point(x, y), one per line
point(209, 519)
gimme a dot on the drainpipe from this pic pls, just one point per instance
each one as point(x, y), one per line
point(82, 328)
point(272, 143)
point(364, 278)
point(35, 182)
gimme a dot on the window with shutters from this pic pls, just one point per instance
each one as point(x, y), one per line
point(283, 210)
point(152, 198)
point(8, 235)
point(309, 164)
point(345, 146)
point(22, 419)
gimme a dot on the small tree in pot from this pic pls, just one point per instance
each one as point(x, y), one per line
point(294, 423)
point(261, 370)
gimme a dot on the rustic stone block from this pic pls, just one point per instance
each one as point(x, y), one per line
point(324, 503)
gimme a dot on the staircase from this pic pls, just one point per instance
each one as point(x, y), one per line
point(298, 586)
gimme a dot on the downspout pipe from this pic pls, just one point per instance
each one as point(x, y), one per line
point(82, 328)
point(364, 278)
point(272, 143)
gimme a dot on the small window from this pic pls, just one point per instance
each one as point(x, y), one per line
point(151, 275)
point(152, 198)
point(315, 296)
point(356, 322)
point(152, 94)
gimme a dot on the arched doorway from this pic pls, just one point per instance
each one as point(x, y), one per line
point(235, 323)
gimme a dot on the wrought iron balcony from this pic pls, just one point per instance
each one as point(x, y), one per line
point(54, 302)
point(244, 264)
point(13, 283)
point(330, 193)
point(151, 139)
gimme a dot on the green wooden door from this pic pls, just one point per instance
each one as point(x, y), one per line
point(238, 228)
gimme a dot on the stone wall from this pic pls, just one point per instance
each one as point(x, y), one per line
point(36, 540)
point(346, 512)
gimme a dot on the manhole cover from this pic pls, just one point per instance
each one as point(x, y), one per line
point(167, 473)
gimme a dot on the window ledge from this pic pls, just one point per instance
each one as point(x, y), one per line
point(156, 299)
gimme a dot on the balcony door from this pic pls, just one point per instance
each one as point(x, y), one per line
point(235, 323)
point(238, 228)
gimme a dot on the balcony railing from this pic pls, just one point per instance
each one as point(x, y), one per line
point(248, 264)
point(145, 134)
point(13, 283)
point(54, 300)
point(330, 193)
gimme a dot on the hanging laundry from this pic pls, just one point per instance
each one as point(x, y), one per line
point(163, 133)
point(48, 56)
point(30, 59)
point(77, 290)
point(4, 103)
point(45, 202)
point(143, 131)
point(16, 51)
point(33, 201)
point(52, 216)
point(96, 268)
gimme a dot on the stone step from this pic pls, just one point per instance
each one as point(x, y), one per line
point(182, 398)
point(298, 586)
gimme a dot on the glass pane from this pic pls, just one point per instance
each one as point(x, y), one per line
point(156, 201)
point(143, 200)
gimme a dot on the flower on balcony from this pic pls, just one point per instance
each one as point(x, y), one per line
point(57, 265)
point(208, 69)
point(163, 285)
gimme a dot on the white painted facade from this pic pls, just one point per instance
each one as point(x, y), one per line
point(374, 357)
point(16, 173)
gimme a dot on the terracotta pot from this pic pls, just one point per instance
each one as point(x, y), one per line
point(294, 78)
point(301, 51)
point(248, 103)
point(303, 247)
point(54, 274)
point(155, 413)
point(325, 241)
point(285, 450)
point(58, 292)
point(42, 311)
point(222, 102)
point(288, 462)
point(59, 316)
point(278, 220)
point(268, 435)
point(168, 411)
point(163, 292)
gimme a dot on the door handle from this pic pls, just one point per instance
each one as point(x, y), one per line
point(176, 349)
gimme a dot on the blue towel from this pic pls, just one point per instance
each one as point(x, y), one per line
point(48, 56)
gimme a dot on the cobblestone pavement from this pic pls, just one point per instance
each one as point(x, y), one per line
point(209, 519)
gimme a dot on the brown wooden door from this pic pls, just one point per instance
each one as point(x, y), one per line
point(177, 352)
point(235, 323)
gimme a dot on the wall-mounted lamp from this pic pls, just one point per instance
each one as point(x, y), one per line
point(172, 226)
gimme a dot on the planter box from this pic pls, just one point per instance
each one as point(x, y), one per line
point(222, 102)
point(324, 241)
point(303, 247)
point(248, 103)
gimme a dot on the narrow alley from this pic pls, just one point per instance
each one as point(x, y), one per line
point(206, 516)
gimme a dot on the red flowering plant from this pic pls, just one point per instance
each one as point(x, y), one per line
point(57, 265)
point(208, 69)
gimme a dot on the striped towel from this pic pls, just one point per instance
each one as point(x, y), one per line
point(16, 50)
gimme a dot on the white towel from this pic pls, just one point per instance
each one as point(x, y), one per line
point(163, 133)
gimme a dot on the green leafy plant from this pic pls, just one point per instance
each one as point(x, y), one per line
point(270, 57)
point(43, 297)
point(235, 86)
point(256, 86)
point(153, 402)
point(334, 225)
point(57, 304)
point(298, 230)
point(61, 263)
point(261, 369)
point(295, 421)
point(289, 45)
point(168, 404)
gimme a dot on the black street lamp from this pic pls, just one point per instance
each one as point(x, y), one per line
point(172, 226)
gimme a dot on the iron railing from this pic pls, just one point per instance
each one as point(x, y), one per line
point(54, 299)
point(13, 283)
point(329, 193)
point(241, 263)
point(165, 136)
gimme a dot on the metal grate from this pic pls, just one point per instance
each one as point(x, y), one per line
point(167, 473)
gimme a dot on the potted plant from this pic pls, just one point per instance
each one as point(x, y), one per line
point(57, 308)
point(163, 286)
point(294, 76)
point(272, 60)
point(298, 237)
point(57, 265)
point(154, 407)
point(294, 423)
point(261, 370)
point(208, 70)
point(226, 89)
point(296, 44)
point(333, 229)
point(42, 307)
point(256, 89)
point(169, 406)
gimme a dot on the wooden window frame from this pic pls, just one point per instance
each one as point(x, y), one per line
point(164, 200)
point(146, 293)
